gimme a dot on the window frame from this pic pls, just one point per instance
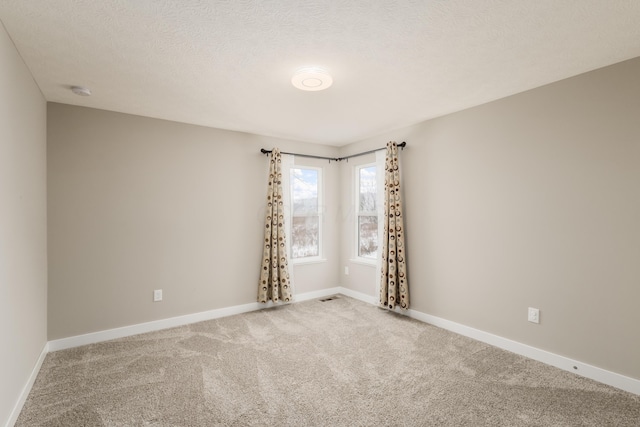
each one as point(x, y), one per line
point(357, 214)
point(320, 215)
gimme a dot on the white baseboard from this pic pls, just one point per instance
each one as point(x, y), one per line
point(622, 382)
point(613, 379)
point(589, 371)
point(317, 294)
point(13, 417)
point(172, 322)
point(358, 295)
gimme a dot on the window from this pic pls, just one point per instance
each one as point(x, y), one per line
point(366, 212)
point(306, 215)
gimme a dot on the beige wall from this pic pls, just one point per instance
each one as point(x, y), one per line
point(137, 204)
point(532, 200)
point(23, 233)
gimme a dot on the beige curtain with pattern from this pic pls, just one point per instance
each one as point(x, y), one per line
point(274, 276)
point(394, 287)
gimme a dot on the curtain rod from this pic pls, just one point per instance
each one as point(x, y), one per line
point(336, 159)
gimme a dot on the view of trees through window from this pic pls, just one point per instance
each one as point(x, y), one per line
point(305, 218)
point(367, 213)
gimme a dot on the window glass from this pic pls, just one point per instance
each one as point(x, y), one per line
point(367, 212)
point(367, 196)
point(305, 234)
point(367, 236)
point(306, 214)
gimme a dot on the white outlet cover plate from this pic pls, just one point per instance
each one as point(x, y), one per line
point(533, 315)
point(157, 295)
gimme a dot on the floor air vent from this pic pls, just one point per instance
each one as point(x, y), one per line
point(329, 298)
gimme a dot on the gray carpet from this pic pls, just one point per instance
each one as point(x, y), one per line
point(334, 363)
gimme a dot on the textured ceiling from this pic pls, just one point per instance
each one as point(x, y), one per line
point(228, 64)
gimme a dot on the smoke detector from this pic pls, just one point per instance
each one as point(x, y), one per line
point(82, 91)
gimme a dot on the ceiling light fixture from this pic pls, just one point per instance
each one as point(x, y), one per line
point(82, 91)
point(311, 79)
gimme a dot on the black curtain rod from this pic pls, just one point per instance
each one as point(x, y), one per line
point(336, 159)
point(401, 146)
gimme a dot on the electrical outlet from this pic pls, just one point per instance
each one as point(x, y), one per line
point(157, 295)
point(534, 315)
point(346, 271)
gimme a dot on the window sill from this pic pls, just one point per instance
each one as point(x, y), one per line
point(370, 263)
point(308, 261)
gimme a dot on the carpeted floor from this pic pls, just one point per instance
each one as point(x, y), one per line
point(334, 363)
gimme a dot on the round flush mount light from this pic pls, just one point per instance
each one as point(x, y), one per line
point(82, 91)
point(311, 79)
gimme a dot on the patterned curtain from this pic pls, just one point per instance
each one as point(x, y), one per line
point(394, 287)
point(274, 276)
